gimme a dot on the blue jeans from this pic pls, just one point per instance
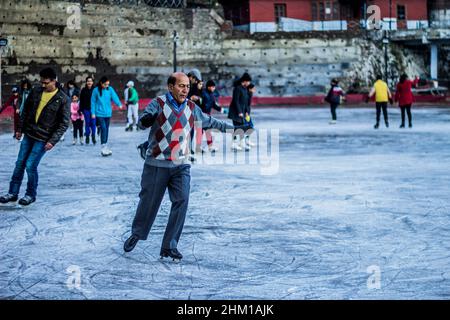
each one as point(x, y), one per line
point(30, 154)
point(104, 129)
point(89, 124)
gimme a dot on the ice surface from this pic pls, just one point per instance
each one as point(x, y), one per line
point(346, 198)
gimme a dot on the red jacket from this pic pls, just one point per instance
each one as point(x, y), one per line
point(403, 94)
point(12, 101)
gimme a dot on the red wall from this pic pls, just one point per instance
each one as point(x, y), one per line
point(263, 10)
point(415, 9)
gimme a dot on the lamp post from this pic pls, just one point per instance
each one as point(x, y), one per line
point(385, 44)
point(175, 39)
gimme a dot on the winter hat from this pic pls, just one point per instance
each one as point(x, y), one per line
point(210, 83)
point(130, 83)
point(195, 73)
point(15, 89)
point(245, 77)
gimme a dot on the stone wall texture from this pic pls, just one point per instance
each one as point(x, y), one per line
point(136, 43)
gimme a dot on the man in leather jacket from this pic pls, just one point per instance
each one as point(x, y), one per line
point(45, 118)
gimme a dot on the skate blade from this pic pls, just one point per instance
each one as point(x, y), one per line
point(11, 206)
point(174, 260)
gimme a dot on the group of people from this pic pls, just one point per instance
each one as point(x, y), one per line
point(46, 116)
point(205, 96)
point(382, 95)
point(46, 111)
point(238, 111)
point(93, 107)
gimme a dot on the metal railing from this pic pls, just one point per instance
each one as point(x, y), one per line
point(152, 3)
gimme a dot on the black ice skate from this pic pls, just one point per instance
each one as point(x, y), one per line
point(173, 253)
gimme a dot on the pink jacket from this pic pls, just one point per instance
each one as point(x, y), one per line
point(74, 107)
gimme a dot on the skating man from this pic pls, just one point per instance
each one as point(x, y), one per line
point(239, 106)
point(334, 97)
point(382, 96)
point(171, 118)
point(45, 118)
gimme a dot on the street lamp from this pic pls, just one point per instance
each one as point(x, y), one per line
point(385, 44)
point(175, 39)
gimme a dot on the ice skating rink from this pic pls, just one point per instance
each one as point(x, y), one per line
point(348, 213)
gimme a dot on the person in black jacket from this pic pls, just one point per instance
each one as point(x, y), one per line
point(45, 118)
point(334, 96)
point(208, 102)
point(238, 108)
point(85, 108)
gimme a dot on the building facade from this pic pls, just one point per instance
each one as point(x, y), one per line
point(325, 15)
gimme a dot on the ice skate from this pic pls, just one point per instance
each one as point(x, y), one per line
point(106, 151)
point(172, 253)
point(249, 143)
point(26, 200)
point(236, 146)
point(8, 198)
point(245, 146)
point(212, 148)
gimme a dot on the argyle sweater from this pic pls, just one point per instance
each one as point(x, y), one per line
point(169, 135)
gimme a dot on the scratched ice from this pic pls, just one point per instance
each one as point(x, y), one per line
point(347, 200)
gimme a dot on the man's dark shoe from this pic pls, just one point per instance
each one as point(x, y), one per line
point(26, 200)
point(130, 243)
point(87, 139)
point(173, 253)
point(376, 126)
point(8, 198)
point(402, 126)
point(93, 139)
point(387, 124)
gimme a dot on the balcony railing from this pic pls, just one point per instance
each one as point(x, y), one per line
point(152, 3)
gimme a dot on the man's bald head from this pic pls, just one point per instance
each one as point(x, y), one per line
point(178, 85)
point(176, 76)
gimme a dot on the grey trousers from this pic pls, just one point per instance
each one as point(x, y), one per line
point(154, 182)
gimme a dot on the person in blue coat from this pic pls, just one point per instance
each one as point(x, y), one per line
point(101, 110)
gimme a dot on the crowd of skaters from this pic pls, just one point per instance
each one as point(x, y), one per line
point(43, 116)
point(90, 112)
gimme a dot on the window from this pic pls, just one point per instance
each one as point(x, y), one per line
point(280, 11)
point(321, 11)
point(401, 12)
point(314, 11)
point(336, 8)
point(325, 10)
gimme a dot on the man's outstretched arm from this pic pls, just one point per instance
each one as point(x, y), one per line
point(149, 115)
point(209, 122)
